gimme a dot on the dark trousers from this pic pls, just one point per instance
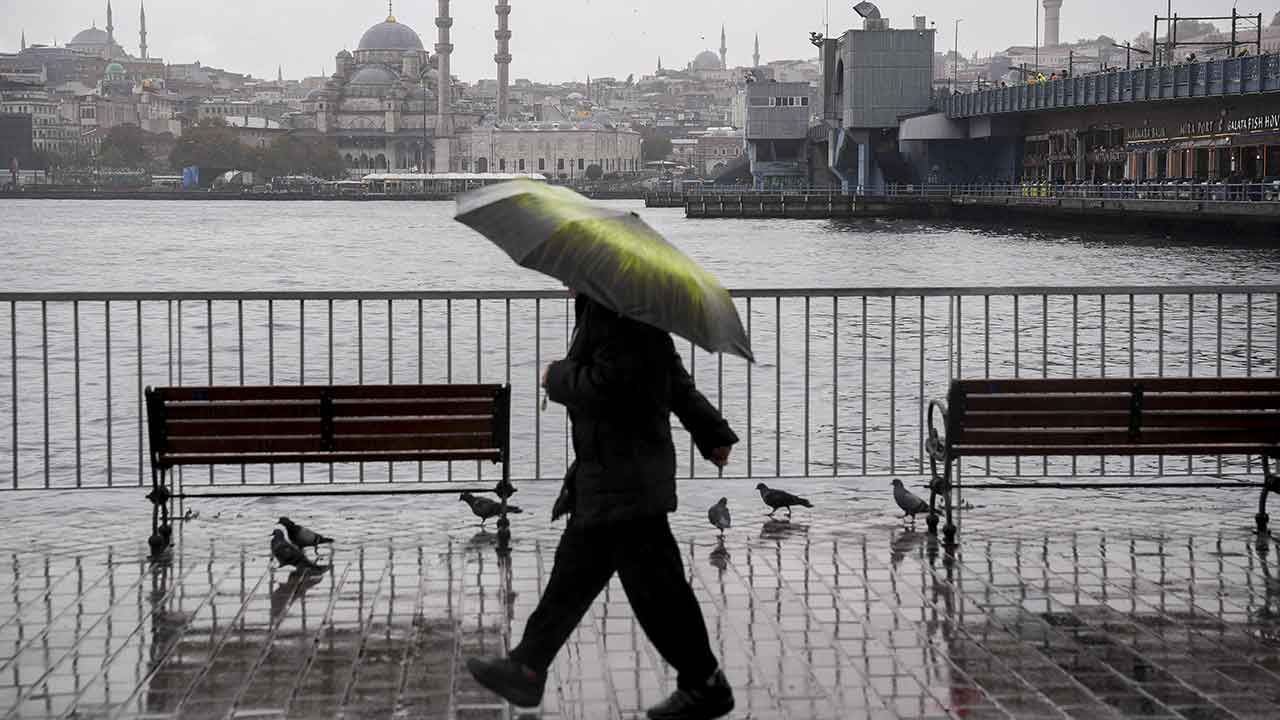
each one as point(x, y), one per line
point(647, 560)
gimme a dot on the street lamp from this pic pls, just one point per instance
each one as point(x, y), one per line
point(955, 57)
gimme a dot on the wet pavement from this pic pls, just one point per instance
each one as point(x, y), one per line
point(1148, 603)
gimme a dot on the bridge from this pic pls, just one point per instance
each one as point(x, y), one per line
point(1251, 75)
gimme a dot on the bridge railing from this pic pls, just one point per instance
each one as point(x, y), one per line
point(1188, 190)
point(1233, 76)
point(840, 388)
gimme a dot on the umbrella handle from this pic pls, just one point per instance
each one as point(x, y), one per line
point(544, 401)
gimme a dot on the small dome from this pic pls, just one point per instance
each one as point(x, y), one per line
point(390, 35)
point(706, 60)
point(345, 54)
point(374, 75)
point(314, 95)
point(115, 68)
point(92, 35)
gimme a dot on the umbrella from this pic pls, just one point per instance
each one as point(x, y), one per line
point(610, 255)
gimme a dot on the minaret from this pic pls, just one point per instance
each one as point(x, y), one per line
point(142, 33)
point(503, 57)
point(659, 63)
point(111, 32)
point(280, 75)
point(1051, 12)
point(755, 57)
point(444, 81)
point(24, 39)
point(724, 51)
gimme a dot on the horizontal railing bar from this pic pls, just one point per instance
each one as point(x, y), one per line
point(968, 291)
point(1105, 485)
point(335, 493)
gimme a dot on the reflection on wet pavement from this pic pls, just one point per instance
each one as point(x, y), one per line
point(1152, 604)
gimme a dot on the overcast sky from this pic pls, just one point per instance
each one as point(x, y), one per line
point(554, 39)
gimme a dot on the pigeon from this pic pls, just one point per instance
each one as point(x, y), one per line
point(719, 515)
point(777, 499)
point(486, 509)
point(910, 503)
point(302, 537)
point(286, 553)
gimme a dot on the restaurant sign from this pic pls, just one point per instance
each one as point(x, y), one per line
point(1215, 126)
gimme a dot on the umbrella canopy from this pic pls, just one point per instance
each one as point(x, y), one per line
point(610, 255)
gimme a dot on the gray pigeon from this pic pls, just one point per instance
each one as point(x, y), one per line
point(286, 553)
point(910, 503)
point(487, 509)
point(302, 537)
point(778, 499)
point(719, 515)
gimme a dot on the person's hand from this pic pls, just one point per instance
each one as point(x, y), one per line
point(720, 456)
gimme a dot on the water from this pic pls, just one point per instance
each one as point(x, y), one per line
point(841, 383)
point(240, 246)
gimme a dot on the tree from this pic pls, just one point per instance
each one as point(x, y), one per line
point(1191, 29)
point(594, 172)
point(209, 144)
point(300, 155)
point(1105, 40)
point(1143, 41)
point(654, 146)
point(123, 147)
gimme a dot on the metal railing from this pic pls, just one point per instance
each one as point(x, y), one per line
point(1234, 76)
point(840, 388)
point(1203, 191)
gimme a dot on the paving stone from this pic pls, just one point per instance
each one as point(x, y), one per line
point(1151, 604)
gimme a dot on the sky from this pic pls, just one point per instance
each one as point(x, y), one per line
point(557, 40)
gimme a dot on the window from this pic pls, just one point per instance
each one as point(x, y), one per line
point(559, 163)
point(502, 165)
point(542, 163)
point(580, 165)
point(521, 164)
point(804, 102)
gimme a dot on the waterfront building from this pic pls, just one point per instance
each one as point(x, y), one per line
point(777, 131)
point(872, 77)
point(48, 131)
point(557, 150)
point(717, 149)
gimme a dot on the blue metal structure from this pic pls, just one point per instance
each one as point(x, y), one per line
point(1219, 78)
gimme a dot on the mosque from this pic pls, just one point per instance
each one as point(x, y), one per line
point(385, 106)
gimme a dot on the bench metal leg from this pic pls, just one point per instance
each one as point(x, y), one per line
point(1270, 484)
point(504, 490)
point(161, 538)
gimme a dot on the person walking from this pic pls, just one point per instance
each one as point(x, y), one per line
point(620, 382)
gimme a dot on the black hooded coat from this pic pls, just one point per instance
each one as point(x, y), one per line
point(620, 381)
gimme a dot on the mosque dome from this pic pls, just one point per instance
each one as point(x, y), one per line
point(92, 35)
point(374, 75)
point(114, 68)
point(706, 60)
point(390, 35)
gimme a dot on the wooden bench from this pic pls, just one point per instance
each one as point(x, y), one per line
point(1103, 417)
point(278, 424)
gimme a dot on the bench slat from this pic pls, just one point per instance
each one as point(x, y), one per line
point(1094, 385)
point(1067, 450)
point(327, 457)
point(1117, 401)
point(314, 443)
point(337, 392)
point(341, 426)
point(1082, 436)
point(311, 409)
point(1120, 419)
